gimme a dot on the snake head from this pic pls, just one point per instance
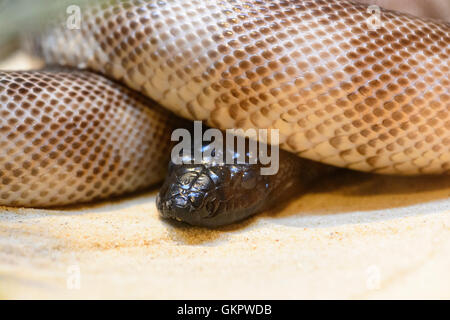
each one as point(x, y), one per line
point(211, 195)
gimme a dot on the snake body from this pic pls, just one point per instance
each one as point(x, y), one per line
point(69, 136)
point(339, 91)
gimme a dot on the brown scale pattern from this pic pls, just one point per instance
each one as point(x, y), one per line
point(338, 91)
point(69, 136)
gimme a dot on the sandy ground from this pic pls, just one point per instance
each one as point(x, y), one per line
point(352, 236)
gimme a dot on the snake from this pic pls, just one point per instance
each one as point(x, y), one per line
point(344, 86)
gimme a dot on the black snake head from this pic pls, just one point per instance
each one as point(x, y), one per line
point(211, 195)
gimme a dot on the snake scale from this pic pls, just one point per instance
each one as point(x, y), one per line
point(339, 90)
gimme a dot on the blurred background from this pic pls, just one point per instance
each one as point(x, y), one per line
point(21, 16)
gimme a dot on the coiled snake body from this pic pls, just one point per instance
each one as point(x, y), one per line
point(339, 90)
